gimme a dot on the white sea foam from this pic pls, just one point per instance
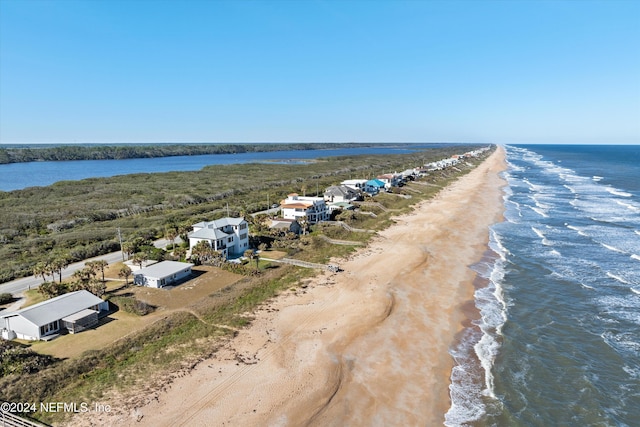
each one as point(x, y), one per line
point(586, 286)
point(555, 253)
point(542, 236)
point(570, 188)
point(597, 178)
point(636, 257)
point(613, 248)
point(574, 228)
point(539, 212)
point(618, 192)
point(635, 291)
point(628, 205)
point(468, 385)
point(637, 232)
point(618, 278)
point(540, 204)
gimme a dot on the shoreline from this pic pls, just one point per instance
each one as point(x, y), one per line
point(367, 345)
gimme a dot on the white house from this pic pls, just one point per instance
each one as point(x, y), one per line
point(162, 274)
point(72, 312)
point(341, 193)
point(356, 184)
point(229, 236)
point(390, 179)
point(295, 207)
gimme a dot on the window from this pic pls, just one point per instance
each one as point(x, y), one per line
point(49, 328)
point(243, 226)
point(230, 239)
point(243, 236)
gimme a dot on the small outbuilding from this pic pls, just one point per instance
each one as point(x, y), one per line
point(162, 274)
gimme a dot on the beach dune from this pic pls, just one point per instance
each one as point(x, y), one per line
point(366, 346)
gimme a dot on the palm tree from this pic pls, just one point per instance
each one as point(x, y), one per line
point(171, 234)
point(49, 289)
point(59, 263)
point(203, 251)
point(180, 252)
point(251, 254)
point(140, 258)
point(41, 269)
point(129, 248)
point(125, 272)
point(97, 287)
point(304, 223)
point(98, 265)
point(183, 231)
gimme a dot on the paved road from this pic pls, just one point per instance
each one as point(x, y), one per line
point(270, 211)
point(18, 286)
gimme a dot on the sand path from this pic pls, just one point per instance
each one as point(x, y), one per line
point(366, 346)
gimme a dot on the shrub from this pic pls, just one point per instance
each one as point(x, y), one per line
point(15, 359)
point(133, 305)
point(5, 298)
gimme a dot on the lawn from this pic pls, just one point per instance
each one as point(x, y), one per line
point(206, 281)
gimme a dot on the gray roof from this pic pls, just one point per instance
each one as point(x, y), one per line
point(211, 230)
point(163, 269)
point(219, 223)
point(56, 308)
point(209, 234)
point(341, 190)
point(79, 315)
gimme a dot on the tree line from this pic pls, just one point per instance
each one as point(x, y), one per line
point(133, 151)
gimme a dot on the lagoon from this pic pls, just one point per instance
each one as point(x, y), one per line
point(16, 176)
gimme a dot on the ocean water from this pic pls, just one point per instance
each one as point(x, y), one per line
point(557, 338)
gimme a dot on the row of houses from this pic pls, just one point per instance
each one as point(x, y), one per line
point(455, 159)
point(77, 311)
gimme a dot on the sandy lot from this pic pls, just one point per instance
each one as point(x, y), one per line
point(366, 346)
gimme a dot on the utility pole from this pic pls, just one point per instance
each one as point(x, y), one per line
point(120, 238)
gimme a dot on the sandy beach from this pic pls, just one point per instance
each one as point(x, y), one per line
point(366, 346)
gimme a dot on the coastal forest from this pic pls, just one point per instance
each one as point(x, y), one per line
point(41, 153)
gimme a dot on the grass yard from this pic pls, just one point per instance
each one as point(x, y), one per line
point(183, 297)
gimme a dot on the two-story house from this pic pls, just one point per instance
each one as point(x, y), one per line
point(341, 193)
point(295, 207)
point(229, 236)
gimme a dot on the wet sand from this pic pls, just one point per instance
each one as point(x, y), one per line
point(366, 346)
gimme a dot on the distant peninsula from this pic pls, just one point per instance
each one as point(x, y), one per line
point(59, 152)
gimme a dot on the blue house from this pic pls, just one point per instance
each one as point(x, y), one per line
point(374, 186)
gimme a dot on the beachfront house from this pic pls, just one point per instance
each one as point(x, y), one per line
point(341, 193)
point(286, 225)
point(390, 179)
point(229, 236)
point(162, 274)
point(296, 207)
point(341, 206)
point(356, 184)
point(374, 186)
point(72, 312)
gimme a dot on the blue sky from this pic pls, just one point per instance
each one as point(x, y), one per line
point(316, 71)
